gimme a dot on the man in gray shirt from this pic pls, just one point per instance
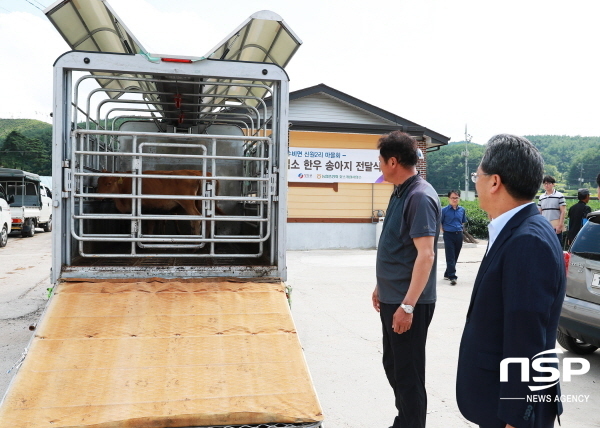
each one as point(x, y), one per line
point(406, 263)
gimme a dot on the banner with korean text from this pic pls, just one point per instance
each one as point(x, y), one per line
point(321, 165)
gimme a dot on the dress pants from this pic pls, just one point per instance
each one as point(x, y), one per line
point(452, 245)
point(404, 363)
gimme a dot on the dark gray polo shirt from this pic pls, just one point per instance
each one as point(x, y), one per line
point(414, 211)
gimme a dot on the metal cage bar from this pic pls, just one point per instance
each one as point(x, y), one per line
point(253, 222)
point(136, 195)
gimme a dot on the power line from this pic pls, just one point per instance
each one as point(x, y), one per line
point(5, 9)
point(37, 7)
point(40, 4)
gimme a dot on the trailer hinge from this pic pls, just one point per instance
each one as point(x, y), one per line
point(273, 186)
point(67, 178)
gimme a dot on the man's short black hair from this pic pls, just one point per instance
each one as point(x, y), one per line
point(548, 179)
point(582, 194)
point(454, 191)
point(518, 163)
point(399, 145)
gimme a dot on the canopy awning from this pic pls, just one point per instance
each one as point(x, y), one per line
point(91, 25)
point(263, 37)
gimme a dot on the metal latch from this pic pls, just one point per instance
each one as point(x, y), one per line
point(207, 203)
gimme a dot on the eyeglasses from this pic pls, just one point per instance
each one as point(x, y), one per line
point(455, 199)
point(475, 176)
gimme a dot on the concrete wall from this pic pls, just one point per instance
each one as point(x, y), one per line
point(323, 236)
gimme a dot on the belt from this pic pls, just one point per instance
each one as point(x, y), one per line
point(457, 232)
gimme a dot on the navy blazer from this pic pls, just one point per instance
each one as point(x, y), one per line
point(514, 312)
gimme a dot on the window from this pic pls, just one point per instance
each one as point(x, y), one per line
point(587, 243)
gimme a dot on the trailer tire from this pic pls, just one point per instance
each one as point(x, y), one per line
point(28, 228)
point(3, 237)
point(48, 226)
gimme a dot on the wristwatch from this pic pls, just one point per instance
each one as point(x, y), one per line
point(407, 308)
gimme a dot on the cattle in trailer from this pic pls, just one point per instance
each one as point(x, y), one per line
point(160, 186)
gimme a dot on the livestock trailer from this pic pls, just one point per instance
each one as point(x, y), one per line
point(169, 306)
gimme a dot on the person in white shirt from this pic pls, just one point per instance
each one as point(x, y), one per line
point(553, 207)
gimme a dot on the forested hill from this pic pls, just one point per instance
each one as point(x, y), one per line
point(30, 128)
point(566, 158)
point(26, 144)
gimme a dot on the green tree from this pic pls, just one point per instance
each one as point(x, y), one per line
point(560, 150)
point(585, 166)
point(566, 159)
point(14, 150)
point(446, 167)
point(29, 154)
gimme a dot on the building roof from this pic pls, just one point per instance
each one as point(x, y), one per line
point(308, 108)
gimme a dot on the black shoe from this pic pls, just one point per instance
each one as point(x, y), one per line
point(452, 282)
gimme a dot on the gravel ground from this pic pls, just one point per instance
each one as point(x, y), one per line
point(24, 279)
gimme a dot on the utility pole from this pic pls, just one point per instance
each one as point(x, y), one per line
point(580, 174)
point(466, 155)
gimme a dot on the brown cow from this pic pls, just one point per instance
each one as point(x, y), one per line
point(159, 186)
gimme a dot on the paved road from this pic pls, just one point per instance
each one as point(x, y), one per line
point(339, 330)
point(341, 335)
point(24, 278)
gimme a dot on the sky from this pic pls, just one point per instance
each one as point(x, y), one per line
point(525, 67)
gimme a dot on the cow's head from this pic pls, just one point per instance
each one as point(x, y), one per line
point(109, 184)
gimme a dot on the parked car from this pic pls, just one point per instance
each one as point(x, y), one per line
point(579, 325)
point(5, 218)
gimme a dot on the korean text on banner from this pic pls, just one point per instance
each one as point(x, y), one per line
point(319, 165)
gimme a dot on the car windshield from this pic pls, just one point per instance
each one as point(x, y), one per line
point(587, 243)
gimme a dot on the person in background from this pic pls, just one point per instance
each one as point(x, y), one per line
point(577, 213)
point(553, 207)
point(517, 296)
point(405, 293)
point(598, 183)
point(453, 219)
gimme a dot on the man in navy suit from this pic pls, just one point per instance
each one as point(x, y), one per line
point(516, 299)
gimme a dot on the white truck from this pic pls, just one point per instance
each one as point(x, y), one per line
point(5, 218)
point(169, 250)
point(32, 201)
